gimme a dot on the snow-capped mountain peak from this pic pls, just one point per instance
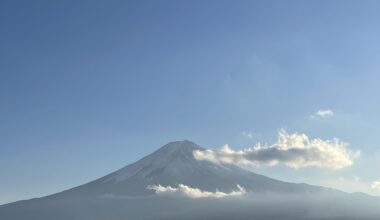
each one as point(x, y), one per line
point(174, 164)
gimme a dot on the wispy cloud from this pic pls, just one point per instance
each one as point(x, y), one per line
point(323, 113)
point(247, 134)
point(293, 150)
point(187, 191)
point(376, 185)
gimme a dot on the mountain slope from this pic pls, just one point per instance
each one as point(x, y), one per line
point(174, 164)
point(124, 195)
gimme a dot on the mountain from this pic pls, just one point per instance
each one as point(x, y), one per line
point(123, 194)
point(174, 164)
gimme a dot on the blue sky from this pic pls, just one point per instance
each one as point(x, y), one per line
point(87, 87)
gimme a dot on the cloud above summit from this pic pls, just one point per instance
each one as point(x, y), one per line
point(292, 150)
point(322, 113)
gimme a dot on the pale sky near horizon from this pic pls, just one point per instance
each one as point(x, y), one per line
point(87, 87)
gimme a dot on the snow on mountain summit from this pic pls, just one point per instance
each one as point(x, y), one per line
point(172, 158)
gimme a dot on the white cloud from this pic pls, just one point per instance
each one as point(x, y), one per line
point(376, 185)
point(187, 191)
point(247, 134)
point(293, 150)
point(323, 113)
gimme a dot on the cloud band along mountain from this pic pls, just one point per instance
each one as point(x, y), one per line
point(292, 150)
point(187, 191)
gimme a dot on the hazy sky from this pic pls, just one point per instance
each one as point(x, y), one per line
point(87, 87)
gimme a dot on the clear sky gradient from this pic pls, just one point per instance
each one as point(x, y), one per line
point(87, 87)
